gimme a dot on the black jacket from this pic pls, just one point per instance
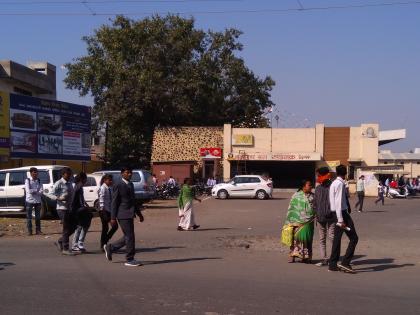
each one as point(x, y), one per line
point(123, 201)
point(78, 202)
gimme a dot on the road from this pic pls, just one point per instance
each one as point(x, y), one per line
point(233, 265)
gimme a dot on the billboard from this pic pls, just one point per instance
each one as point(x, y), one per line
point(47, 129)
point(4, 124)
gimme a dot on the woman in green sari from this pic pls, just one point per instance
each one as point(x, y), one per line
point(300, 218)
point(185, 205)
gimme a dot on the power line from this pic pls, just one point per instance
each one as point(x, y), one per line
point(255, 11)
point(35, 2)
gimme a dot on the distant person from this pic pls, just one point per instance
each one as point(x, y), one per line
point(360, 191)
point(300, 217)
point(381, 193)
point(171, 181)
point(211, 181)
point(154, 178)
point(185, 206)
point(84, 216)
point(63, 191)
point(33, 195)
point(124, 208)
point(342, 218)
point(105, 203)
point(393, 184)
point(401, 181)
point(324, 216)
point(387, 184)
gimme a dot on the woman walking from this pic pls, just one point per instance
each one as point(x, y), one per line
point(185, 205)
point(300, 221)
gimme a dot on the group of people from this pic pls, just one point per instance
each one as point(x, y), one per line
point(117, 208)
point(329, 208)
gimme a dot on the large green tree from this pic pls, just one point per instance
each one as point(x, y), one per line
point(162, 71)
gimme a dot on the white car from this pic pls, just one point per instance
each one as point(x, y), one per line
point(91, 189)
point(251, 186)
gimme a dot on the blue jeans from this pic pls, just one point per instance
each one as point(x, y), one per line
point(37, 208)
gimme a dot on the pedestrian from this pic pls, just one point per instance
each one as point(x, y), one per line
point(155, 180)
point(300, 219)
point(63, 191)
point(381, 192)
point(211, 181)
point(105, 202)
point(171, 181)
point(324, 216)
point(33, 197)
point(124, 209)
point(387, 183)
point(344, 224)
point(185, 206)
point(360, 190)
point(84, 216)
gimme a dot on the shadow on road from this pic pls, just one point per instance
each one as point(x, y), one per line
point(160, 207)
point(378, 265)
point(180, 260)
point(155, 249)
point(212, 229)
point(2, 265)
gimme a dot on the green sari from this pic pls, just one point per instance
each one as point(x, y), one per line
point(186, 195)
point(300, 216)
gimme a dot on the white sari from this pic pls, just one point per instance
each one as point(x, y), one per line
point(186, 216)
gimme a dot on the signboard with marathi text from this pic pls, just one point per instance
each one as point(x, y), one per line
point(48, 129)
point(4, 124)
point(245, 140)
point(312, 156)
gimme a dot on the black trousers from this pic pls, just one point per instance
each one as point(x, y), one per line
point(380, 198)
point(128, 240)
point(70, 222)
point(106, 233)
point(338, 234)
point(361, 200)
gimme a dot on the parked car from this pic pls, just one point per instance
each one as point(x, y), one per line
point(250, 186)
point(12, 188)
point(144, 187)
point(91, 190)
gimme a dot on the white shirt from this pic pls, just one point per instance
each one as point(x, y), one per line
point(105, 197)
point(360, 185)
point(171, 181)
point(338, 200)
point(33, 189)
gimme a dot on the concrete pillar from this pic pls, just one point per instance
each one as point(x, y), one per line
point(227, 148)
point(319, 139)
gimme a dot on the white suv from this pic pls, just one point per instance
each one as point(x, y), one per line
point(251, 186)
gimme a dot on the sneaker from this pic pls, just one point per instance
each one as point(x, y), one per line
point(76, 249)
point(322, 263)
point(333, 269)
point(346, 268)
point(180, 229)
point(133, 263)
point(59, 246)
point(67, 252)
point(108, 252)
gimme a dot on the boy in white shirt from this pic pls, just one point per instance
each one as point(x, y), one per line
point(33, 194)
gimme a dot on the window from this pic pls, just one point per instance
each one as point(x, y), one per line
point(136, 177)
point(91, 181)
point(17, 178)
point(254, 180)
point(2, 179)
point(44, 177)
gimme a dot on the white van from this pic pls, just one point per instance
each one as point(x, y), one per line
point(12, 188)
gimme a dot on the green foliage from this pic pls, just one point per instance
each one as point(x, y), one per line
point(162, 71)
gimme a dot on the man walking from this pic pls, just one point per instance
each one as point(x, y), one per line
point(324, 216)
point(105, 205)
point(124, 208)
point(63, 191)
point(360, 190)
point(33, 194)
point(344, 224)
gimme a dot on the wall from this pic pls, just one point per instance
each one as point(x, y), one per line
point(362, 147)
point(411, 168)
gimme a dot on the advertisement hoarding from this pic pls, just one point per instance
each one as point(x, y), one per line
point(4, 124)
point(46, 129)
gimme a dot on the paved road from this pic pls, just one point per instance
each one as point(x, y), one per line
point(233, 265)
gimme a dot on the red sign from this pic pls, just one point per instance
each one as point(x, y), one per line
point(211, 153)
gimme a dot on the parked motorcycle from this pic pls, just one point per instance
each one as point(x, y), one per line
point(167, 191)
point(394, 193)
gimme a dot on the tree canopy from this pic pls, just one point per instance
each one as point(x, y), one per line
point(162, 71)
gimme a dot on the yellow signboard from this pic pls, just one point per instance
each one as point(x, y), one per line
point(243, 140)
point(4, 124)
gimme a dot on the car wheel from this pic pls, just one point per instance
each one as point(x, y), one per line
point(222, 194)
point(261, 195)
point(42, 213)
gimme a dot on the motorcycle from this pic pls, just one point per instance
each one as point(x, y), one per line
point(394, 193)
point(167, 191)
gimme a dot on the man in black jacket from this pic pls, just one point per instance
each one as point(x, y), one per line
point(324, 216)
point(124, 208)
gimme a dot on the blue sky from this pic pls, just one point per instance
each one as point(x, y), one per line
point(339, 67)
